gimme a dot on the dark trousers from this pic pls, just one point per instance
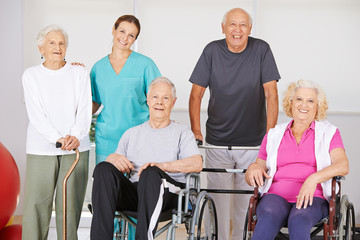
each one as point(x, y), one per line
point(274, 212)
point(112, 191)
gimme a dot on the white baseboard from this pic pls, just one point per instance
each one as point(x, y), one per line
point(85, 220)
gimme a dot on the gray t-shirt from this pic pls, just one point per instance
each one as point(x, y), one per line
point(237, 109)
point(142, 144)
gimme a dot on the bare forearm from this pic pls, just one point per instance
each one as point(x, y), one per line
point(95, 107)
point(272, 103)
point(196, 95)
point(194, 112)
point(185, 165)
point(336, 169)
point(339, 166)
point(272, 112)
point(256, 172)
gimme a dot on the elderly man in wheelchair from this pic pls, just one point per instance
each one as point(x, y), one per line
point(157, 154)
point(297, 159)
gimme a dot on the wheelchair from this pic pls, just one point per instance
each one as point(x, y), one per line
point(195, 209)
point(340, 224)
point(200, 217)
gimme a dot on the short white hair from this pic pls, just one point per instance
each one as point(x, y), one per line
point(164, 80)
point(249, 16)
point(46, 30)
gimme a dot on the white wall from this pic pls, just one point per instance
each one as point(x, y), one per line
point(88, 23)
point(316, 40)
point(175, 33)
point(313, 40)
point(13, 116)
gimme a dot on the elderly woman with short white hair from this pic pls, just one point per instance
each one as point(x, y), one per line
point(298, 160)
point(58, 103)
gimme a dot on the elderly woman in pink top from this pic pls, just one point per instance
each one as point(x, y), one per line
point(298, 160)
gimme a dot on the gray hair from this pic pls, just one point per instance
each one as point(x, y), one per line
point(321, 97)
point(164, 80)
point(249, 16)
point(46, 30)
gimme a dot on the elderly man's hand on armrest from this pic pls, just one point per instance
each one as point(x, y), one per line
point(185, 165)
point(120, 162)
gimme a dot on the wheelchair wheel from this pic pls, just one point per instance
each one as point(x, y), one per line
point(204, 222)
point(350, 223)
point(246, 234)
point(346, 230)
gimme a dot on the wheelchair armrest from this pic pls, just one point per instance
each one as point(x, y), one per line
point(186, 193)
point(336, 181)
point(338, 178)
point(196, 177)
point(252, 209)
point(334, 201)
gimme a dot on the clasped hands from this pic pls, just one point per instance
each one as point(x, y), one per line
point(69, 143)
point(125, 166)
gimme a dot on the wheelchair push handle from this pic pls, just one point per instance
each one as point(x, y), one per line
point(201, 145)
point(64, 193)
point(224, 170)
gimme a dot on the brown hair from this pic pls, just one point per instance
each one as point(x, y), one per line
point(130, 19)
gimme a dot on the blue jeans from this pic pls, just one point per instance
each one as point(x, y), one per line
point(274, 212)
point(132, 230)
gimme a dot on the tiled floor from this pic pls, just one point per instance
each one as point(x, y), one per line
point(84, 234)
point(84, 229)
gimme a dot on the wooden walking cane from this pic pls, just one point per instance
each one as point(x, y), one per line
point(58, 145)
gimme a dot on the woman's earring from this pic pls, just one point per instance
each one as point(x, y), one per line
point(42, 57)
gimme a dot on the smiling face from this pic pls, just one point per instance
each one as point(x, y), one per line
point(304, 105)
point(160, 101)
point(124, 35)
point(237, 30)
point(53, 47)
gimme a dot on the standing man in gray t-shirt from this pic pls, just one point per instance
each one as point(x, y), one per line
point(242, 76)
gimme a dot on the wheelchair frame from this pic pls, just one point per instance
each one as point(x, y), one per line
point(201, 203)
point(191, 219)
point(340, 224)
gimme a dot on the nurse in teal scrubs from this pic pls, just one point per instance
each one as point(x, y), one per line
point(120, 83)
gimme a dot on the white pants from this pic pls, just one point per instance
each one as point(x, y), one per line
point(230, 159)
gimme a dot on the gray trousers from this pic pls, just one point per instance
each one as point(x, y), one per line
point(44, 178)
point(230, 159)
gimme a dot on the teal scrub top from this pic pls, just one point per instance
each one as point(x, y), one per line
point(123, 96)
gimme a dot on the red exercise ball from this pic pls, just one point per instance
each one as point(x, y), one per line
point(9, 185)
point(12, 232)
